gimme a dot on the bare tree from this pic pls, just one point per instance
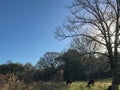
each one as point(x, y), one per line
point(101, 20)
point(88, 49)
point(85, 46)
point(48, 61)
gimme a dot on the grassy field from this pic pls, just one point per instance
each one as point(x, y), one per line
point(12, 83)
point(99, 85)
point(80, 85)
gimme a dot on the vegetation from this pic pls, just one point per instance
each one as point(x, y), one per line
point(58, 67)
point(11, 82)
point(93, 53)
point(98, 21)
point(70, 64)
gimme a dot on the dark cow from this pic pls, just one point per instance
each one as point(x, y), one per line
point(68, 81)
point(109, 88)
point(91, 82)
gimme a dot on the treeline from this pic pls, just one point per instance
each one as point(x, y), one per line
point(61, 66)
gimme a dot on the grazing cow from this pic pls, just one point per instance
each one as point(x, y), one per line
point(91, 82)
point(109, 88)
point(68, 81)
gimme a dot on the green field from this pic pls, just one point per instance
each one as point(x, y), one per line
point(80, 85)
point(12, 84)
point(99, 85)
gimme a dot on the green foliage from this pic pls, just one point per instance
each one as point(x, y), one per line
point(24, 72)
point(83, 67)
point(72, 66)
point(11, 68)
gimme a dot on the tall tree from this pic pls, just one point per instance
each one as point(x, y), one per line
point(101, 20)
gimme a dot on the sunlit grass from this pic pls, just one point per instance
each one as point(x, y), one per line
point(99, 85)
point(12, 84)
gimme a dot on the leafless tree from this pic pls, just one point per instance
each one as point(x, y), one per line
point(48, 61)
point(101, 20)
point(84, 46)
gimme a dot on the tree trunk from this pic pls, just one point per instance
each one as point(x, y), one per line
point(115, 78)
point(115, 86)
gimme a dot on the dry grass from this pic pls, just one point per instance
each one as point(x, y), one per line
point(11, 82)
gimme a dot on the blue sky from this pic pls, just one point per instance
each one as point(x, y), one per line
point(27, 26)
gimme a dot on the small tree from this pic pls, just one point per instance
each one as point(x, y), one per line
point(101, 20)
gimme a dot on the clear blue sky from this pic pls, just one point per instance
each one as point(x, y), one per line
point(26, 29)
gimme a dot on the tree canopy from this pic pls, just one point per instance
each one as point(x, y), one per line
point(98, 20)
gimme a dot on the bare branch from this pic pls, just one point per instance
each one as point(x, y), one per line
point(95, 53)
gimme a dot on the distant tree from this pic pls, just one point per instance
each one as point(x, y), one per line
point(92, 63)
point(9, 62)
point(87, 49)
point(101, 20)
point(48, 61)
point(47, 65)
point(28, 66)
point(28, 74)
point(11, 68)
point(84, 46)
point(102, 67)
point(71, 65)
